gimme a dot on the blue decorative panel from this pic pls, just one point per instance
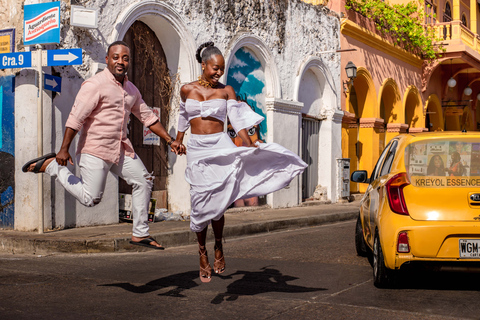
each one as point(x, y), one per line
point(7, 152)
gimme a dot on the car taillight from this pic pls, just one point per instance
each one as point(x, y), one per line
point(394, 188)
point(402, 245)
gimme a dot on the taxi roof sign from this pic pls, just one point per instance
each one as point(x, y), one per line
point(41, 23)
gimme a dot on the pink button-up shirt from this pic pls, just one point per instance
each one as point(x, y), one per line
point(102, 109)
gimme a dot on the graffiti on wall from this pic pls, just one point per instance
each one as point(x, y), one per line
point(7, 152)
point(247, 77)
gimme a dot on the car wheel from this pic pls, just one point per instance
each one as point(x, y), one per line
point(382, 276)
point(360, 244)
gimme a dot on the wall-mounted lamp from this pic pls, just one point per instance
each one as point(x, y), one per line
point(351, 70)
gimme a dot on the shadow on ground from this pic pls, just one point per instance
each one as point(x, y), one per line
point(251, 283)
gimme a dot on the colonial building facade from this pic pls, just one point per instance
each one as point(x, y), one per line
point(281, 56)
point(396, 91)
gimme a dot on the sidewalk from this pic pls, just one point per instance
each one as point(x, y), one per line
point(115, 238)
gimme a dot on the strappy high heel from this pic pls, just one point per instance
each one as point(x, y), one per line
point(219, 264)
point(205, 272)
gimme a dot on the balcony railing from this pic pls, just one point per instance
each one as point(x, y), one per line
point(455, 30)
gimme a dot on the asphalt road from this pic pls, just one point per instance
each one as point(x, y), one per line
point(309, 273)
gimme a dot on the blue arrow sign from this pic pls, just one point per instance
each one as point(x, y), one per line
point(15, 60)
point(52, 83)
point(64, 57)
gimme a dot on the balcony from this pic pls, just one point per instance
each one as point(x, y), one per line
point(456, 36)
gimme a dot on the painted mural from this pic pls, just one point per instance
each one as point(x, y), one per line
point(247, 77)
point(7, 152)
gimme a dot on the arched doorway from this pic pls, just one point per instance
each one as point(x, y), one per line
point(310, 93)
point(149, 72)
point(413, 110)
point(390, 111)
point(363, 133)
point(434, 114)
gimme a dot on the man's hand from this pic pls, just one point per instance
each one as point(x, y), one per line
point(63, 157)
point(178, 148)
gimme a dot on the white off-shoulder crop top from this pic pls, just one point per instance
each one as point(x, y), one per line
point(240, 114)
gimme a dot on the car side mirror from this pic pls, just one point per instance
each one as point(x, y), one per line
point(360, 176)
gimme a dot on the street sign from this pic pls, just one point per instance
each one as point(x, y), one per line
point(50, 58)
point(52, 83)
point(41, 23)
point(15, 60)
point(64, 57)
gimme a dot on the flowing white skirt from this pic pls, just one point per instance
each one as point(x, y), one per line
point(219, 173)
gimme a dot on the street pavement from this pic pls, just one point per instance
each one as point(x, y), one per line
point(301, 273)
point(116, 238)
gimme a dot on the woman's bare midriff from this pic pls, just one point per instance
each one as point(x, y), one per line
point(206, 125)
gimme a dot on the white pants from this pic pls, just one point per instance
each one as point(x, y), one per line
point(88, 189)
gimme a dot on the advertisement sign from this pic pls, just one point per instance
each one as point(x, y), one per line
point(443, 163)
point(41, 23)
point(149, 137)
point(7, 40)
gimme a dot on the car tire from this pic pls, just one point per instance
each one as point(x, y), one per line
point(382, 276)
point(360, 244)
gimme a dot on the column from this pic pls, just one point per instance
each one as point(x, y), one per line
point(26, 186)
point(368, 136)
point(284, 127)
point(473, 16)
point(330, 150)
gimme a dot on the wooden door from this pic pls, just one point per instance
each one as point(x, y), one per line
point(149, 72)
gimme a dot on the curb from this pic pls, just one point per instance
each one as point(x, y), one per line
point(168, 239)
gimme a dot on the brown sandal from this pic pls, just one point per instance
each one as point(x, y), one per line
point(219, 264)
point(205, 272)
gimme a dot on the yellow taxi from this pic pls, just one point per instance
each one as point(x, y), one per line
point(422, 204)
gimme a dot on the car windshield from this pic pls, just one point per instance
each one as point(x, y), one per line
point(444, 163)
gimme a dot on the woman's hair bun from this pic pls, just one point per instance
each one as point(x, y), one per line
point(198, 55)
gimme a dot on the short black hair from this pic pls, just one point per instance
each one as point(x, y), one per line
point(116, 43)
point(205, 51)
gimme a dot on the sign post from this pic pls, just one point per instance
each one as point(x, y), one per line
point(41, 216)
point(41, 25)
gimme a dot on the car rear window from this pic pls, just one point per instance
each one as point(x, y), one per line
point(444, 163)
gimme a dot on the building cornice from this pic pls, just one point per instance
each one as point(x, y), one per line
point(417, 130)
point(371, 123)
point(353, 30)
point(397, 127)
point(284, 106)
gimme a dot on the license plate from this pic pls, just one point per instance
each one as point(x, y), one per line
point(469, 248)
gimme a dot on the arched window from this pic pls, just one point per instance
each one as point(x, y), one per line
point(430, 12)
point(464, 20)
point(447, 15)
